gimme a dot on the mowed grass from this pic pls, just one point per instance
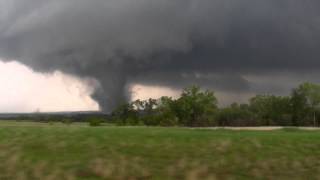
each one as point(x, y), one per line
point(43, 151)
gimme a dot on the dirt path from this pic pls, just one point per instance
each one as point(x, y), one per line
point(263, 128)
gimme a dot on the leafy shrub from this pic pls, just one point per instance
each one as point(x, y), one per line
point(168, 119)
point(67, 121)
point(95, 122)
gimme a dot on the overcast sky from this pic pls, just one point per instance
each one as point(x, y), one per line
point(124, 49)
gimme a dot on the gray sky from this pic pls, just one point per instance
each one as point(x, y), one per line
point(237, 48)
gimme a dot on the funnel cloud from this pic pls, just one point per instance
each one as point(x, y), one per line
point(232, 46)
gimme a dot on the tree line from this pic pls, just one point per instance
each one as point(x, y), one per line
point(199, 108)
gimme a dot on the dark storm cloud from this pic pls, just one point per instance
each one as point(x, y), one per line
point(214, 43)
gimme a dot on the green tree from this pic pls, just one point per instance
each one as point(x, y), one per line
point(235, 115)
point(150, 105)
point(166, 111)
point(270, 109)
point(305, 101)
point(139, 105)
point(125, 114)
point(195, 107)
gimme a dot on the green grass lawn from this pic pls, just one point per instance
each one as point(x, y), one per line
point(43, 151)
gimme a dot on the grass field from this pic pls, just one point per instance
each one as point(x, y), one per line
point(43, 151)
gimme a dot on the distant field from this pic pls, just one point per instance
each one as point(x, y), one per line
point(77, 151)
